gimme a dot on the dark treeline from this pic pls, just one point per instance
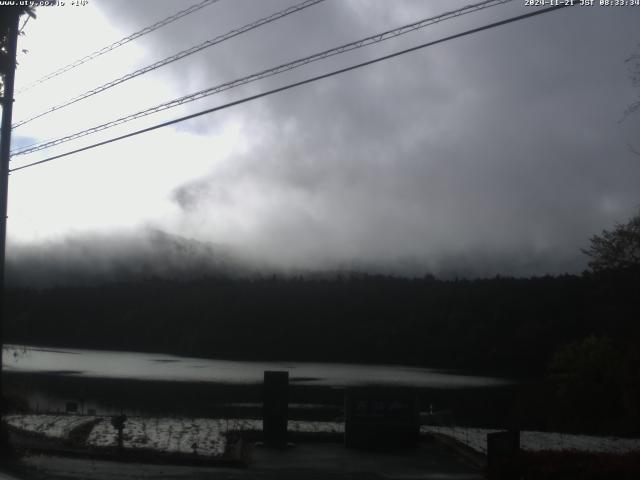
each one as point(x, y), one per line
point(502, 325)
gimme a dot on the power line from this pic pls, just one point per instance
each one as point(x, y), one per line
point(24, 24)
point(176, 57)
point(265, 73)
point(119, 43)
point(297, 84)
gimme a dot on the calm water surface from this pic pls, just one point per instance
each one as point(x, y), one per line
point(149, 366)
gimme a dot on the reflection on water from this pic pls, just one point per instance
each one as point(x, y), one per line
point(147, 366)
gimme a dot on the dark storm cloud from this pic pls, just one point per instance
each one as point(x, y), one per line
point(496, 153)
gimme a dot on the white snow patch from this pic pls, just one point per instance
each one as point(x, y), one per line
point(53, 426)
point(202, 436)
point(207, 436)
point(476, 438)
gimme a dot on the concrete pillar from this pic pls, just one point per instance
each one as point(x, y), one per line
point(275, 408)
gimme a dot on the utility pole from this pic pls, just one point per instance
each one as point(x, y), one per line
point(9, 17)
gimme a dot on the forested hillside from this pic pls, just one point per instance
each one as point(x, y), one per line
point(500, 324)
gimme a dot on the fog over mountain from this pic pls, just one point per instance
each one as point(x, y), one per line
point(93, 259)
point(498, 153)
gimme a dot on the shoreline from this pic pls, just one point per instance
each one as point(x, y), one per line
point(45, 392)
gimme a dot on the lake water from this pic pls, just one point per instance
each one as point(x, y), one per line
point(161, 367)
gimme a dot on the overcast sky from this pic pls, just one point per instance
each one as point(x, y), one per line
point(500, 152)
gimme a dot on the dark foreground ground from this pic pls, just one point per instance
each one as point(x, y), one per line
point(430, 460)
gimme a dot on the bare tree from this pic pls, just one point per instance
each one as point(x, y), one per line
point(633, 66)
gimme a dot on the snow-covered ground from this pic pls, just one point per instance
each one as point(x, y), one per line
point(208, 436)
point(476, 438)
point(172, 435)
point(53, 426)
point(204, 436)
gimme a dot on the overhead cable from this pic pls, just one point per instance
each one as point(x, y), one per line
point(174, 58)
point(379, 37)
point(119, 43)
point(296, 84)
